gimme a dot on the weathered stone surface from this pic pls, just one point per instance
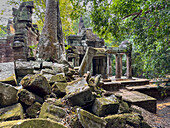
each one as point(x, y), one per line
point(37, 84)
point(120, 120)
point(47, 71)
point(105, 106)
point(60, 77)
point(97, 80)
point(89, 120)
point(8, 95)
point(7, 73)
point(123, 107)
point(23, 68)
point(79, 93)
point(59, 88)
point(70, 73)
point(46, 64)
point(52, 112)
point(139, 99)
point(58, 68)
point(33, 110)
point(31, 123)
point(56, 102)
point(75, 123)
point(13, 112)
point(86, 62)
point(48, 77)
point(26, 97)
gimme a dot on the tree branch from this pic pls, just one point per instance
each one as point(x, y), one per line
point(136, 14)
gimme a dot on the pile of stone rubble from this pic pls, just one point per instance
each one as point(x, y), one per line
point(54, 95)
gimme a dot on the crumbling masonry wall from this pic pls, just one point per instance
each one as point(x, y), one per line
point(26, 34)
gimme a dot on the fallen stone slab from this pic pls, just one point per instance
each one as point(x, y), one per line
point(23, 68)
point(7, 73)
point(37, 84)
point(122, 120)
point(139, 99)
point(26, 67)
point(105, 105)
point(46, 64)
point(52, 111)
point(88, 120)
point(58, 68)
point(31, 123)
point(14, 112)
point(79, 93)
point(86, 62)
point(47, 71)
point(8, 95)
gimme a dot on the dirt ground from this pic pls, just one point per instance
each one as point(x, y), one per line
point(162, 118)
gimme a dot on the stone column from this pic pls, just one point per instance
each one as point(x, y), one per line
point(87, 60)
point(108, 65)
point(118, 75)
point(105, 68)
point(77, 60)
point(128, 64)
point(121, 64)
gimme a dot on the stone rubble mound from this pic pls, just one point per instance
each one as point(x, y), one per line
point(54, 95)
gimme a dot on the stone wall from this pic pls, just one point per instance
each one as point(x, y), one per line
point(6, 51)
point(26, 34)
point(22, 36)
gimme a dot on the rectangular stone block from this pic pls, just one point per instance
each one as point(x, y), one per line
point(139, 99)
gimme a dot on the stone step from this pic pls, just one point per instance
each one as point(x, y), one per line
point(139, 99)
point(116, 85)
point(152, 90)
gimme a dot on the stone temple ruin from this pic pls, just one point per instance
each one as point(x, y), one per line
point(78, 93)
point(21, 35)
point(101, 58)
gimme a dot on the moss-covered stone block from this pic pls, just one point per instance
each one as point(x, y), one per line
point(10, 80)
point(13, 112)
point(123, 107)
point(32, 123)
point(33, 110)
point(120, 120)
point(52, 112)
point(37, 84)
point(105, 105)
point(139, 99)
point(79, 93)
point(59, 88)
point(8, 95)
point(88, 120)
point(26, 97)
point(60, 77)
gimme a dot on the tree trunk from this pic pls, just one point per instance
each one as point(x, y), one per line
point(50, 46)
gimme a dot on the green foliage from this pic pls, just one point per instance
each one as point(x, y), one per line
point(67, 47)
point(3, 31)
point(32, 48)
point(146, 23)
